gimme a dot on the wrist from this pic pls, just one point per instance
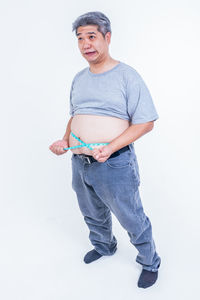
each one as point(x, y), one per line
point(65, 138)
point(112, 147)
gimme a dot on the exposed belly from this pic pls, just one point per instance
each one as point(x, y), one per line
point(95, 129)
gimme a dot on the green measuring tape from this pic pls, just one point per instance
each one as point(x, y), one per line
point(83, 144)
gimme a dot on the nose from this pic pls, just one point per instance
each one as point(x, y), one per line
point(86, 45)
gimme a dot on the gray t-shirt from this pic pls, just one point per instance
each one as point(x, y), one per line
point(120, 92)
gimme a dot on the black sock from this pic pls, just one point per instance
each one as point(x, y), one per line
point(91, 256)
point(147, 278)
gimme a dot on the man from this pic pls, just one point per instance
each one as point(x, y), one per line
point(109, 102)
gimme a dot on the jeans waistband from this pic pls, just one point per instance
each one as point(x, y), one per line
point(90, 159)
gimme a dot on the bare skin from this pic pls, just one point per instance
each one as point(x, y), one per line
point(95, 129)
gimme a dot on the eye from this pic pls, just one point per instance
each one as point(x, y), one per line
point(92, 36)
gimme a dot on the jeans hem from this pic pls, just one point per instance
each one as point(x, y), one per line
point(151, 269)
point(107, 253)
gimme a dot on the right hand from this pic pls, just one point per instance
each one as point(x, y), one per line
point(57, 147)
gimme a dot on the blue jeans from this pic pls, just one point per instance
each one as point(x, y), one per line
point(112, 186)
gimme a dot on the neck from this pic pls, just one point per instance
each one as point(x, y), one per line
point(103, 65)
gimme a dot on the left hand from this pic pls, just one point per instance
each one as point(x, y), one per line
point(102, 153)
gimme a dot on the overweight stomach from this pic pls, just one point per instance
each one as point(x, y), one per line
point(95, 129)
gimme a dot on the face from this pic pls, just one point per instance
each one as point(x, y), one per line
point(92, 44)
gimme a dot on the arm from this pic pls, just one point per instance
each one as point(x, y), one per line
point(57, 147)
point(131, 134)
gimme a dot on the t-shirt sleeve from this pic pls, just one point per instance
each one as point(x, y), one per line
point(140, 105)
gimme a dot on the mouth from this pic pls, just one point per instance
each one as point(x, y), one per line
point(90, 53)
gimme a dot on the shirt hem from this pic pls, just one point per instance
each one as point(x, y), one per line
point(140, 121)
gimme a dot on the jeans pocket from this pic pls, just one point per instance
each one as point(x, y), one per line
point(121, 161)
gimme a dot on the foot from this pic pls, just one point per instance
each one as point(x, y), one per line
point(91, 256)
point(147, 278)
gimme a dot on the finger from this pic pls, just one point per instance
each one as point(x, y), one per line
point(95, 151)
point(102, 155)
point(101, 160)
point(98, 156)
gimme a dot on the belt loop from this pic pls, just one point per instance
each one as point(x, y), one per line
point(88, 159)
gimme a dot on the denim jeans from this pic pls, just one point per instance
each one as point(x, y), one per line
point(113, 186)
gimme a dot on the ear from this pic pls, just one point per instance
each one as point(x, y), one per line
point(108, 37)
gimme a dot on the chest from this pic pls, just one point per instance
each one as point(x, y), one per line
point(99, 91)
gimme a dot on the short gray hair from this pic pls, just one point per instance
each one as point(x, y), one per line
point(93, 18)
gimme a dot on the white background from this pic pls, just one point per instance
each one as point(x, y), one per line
point(43, 235)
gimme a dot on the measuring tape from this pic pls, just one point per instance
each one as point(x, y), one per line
point(83, 144)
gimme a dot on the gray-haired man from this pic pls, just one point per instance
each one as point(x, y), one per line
point(109, 103)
